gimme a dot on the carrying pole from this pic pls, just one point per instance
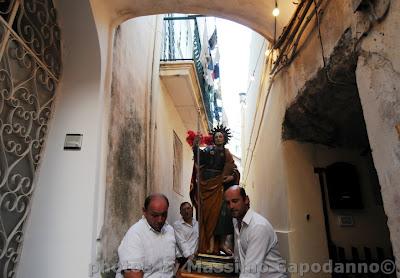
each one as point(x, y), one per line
point(199, 200)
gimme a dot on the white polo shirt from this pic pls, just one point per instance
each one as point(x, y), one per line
point(187, 236)
point(143, 248)
point(256, 248)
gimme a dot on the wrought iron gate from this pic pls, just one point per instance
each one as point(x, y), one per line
point(30, 64)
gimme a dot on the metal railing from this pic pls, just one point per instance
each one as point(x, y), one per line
point(181, 41)
point(30, 66)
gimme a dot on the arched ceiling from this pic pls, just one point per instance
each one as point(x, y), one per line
point(255, 14)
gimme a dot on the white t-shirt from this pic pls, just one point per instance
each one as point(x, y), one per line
point(145, 249)
point(256, 248)
point(187, 236)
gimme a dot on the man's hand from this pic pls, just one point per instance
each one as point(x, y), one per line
point(226, 250)
point(133, 274)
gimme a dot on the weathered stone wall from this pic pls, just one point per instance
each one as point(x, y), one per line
point(126, 162)
point(378, 80)
point(369, 34)
point(280, 177)
point(373, 40)
point(335, 19)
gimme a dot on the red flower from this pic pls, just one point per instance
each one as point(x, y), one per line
point(207, 140)
point(190, 137)
point(204, 140)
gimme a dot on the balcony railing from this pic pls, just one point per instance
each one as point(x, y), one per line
point(181, 41)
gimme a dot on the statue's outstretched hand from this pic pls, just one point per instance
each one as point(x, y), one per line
point(197, 140)
point(228, 179)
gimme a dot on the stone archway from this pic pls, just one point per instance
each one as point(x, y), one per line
point(122, 10)
point(255, 14)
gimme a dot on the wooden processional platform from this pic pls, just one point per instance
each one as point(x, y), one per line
point(210, 266)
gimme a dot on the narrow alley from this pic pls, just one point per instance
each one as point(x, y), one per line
point(98, 99)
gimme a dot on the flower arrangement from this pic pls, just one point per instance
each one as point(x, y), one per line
point(205, 140)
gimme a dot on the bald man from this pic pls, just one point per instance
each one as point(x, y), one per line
point(256, 243)
point(148, 249)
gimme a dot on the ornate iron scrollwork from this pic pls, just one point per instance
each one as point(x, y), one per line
point(36, 24)
point(29, 69)
point(6, 7)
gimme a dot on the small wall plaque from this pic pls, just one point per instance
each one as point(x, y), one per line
point(73, 141)
point(346, 221)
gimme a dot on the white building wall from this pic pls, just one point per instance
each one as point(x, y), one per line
point(68, 206)
point(254, 96)
point(165, 121)
point(168, 121)
point(60, 230)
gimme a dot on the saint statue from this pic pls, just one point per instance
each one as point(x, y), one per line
point(217, 172)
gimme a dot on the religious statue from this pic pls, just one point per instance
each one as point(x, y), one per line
point(216, 172)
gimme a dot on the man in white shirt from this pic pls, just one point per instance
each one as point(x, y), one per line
point(256, 243)
point(186, 233)
point(148, 248)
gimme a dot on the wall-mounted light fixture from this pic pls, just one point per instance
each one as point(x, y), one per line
point(242, 96)
point(275, 11)
point(73, 141)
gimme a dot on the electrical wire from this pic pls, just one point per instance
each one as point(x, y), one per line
point(256, 65)
point(330, 80)
point(272, 78)
point(271, 82)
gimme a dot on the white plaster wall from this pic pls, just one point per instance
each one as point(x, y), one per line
point(256, 66)
point(105, 33)
point(59, 233)
point(168, 121)
point(165, 121)
point(307, 239)
point(264, 179)
point(282, 185)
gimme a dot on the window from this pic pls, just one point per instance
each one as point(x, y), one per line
point(177, 165)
